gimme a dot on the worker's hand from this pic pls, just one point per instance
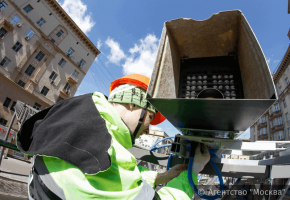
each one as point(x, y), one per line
point(170, 174)
point(201, 158)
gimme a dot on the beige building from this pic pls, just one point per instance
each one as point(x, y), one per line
point(44, 55)
point(274, 124)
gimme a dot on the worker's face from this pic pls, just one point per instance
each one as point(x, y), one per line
point(149, 116)
point(130, 114)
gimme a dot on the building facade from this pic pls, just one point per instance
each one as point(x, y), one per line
point(274, 124)
point(44, 55)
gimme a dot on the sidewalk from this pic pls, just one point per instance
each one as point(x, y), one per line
point(15, 169)
point(13, 179)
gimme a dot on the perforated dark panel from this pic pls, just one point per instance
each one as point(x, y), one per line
point(222, 73)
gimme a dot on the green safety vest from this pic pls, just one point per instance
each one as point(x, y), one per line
point(55, 178)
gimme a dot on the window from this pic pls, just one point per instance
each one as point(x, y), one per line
point(13, 105)
point(59, 33)
point(260, 132)
point(37, 106)
point(2, 5)
point(82, 63)
point(284, 102)
point(287, 117)
point(287, 80)
point(14, 20)
point(67, 87)
point(21, 83)
point(62, 62)
point(271, 110)
point(28, 8)
point(3, 122)
point(275, 136)
point(273, 122)
point(29, 34)
point(41, 22)
point(70, 51)
point(280, 135)
point(2, 32)
point(52, 41)
point(289, 133)
point(30, 69)
point(276, 107)
point(5, 62)
point(263, 119)
point(40, 55)
point(17, 47)
point(44, 91)
point(75, 74)
point(7, 102)
point(279, 121)
point(60, 99)
point(53, 76)
point(264, 130)
point(280, 89)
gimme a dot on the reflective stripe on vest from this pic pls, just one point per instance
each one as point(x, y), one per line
point(147, 192)
point(40, 177)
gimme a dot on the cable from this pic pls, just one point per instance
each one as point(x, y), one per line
point(190, 164)
point(159, 142)
point(169, 161)
point(162, 146)
point(92, 73)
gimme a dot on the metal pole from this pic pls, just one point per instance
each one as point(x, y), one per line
point(6, 136)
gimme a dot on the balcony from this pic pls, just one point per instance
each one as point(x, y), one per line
point(43, 98)
point(275, 114)
point(262, 125)
point(6, 24)
point(277, 128)
point(263, 136)
point(65, 92)
point(73, 79)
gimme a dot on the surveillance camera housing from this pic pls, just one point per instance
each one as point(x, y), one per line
point(222, 53)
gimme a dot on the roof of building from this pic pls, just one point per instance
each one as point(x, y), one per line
point(74, 27)
point(283, 65)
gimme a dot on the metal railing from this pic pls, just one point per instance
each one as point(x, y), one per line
point(22, 113)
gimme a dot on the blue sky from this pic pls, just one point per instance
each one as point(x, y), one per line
point(128, 32)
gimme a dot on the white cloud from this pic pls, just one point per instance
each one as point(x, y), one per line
point(76, 9)
point(99, 44)
point(116, 53)
point(155, 128)
point(268, 60)
point(141, 57)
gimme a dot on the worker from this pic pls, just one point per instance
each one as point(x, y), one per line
point(80, 148)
